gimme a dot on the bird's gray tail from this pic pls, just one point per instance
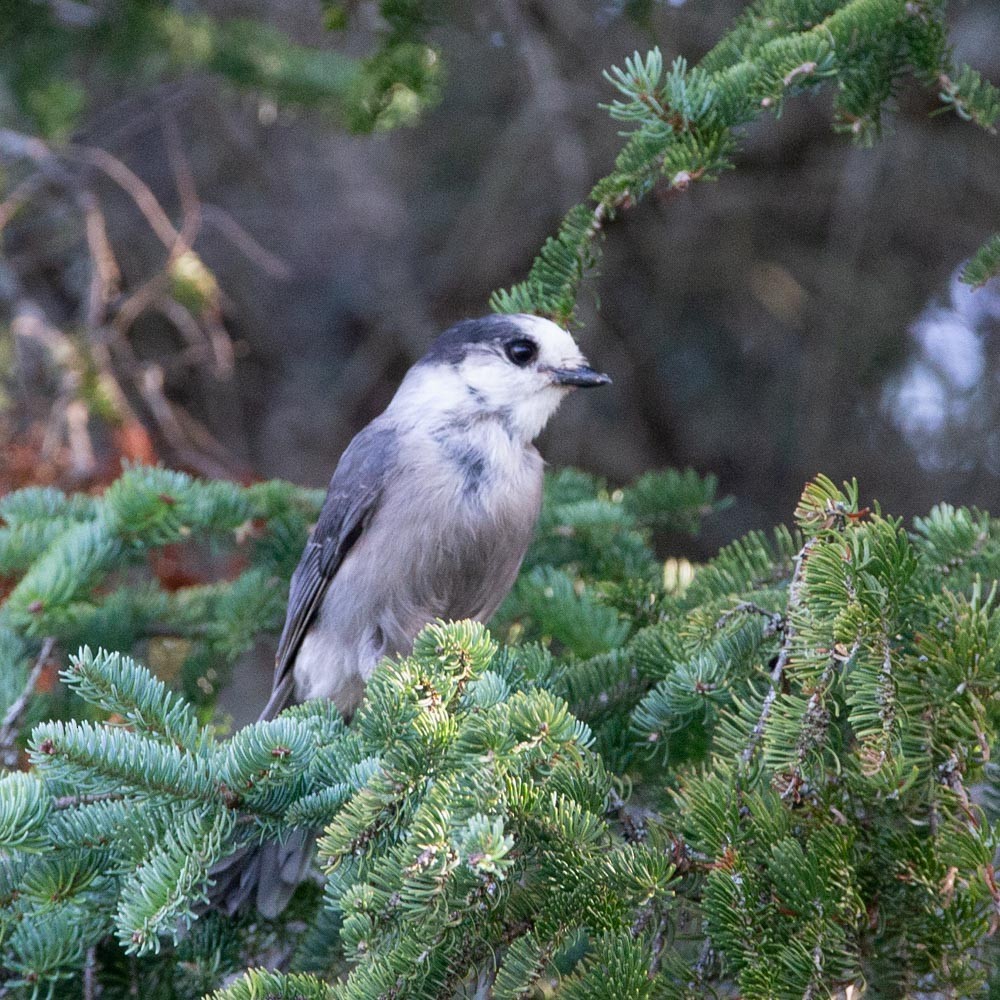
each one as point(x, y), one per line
point(265, 875)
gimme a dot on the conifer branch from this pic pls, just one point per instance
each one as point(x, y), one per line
point(775, 621)
point(682, 124)
point(784, 654)
point(10, 728)
point(494, 813)
point(984, 265)
point(74, 801)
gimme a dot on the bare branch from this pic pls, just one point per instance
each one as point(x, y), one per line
point(183, 178)
point(188, 327)
point(66, 420)
point(105, 272)
point(137, 190)
point(232, 231)
point(181, 430)
point(778, 671)
point(210, 333)
point(108, 329)
point(10, 728)
point(21, 194)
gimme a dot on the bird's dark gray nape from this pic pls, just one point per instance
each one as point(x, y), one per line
point(453, 345)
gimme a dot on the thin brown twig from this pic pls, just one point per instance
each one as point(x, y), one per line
point(181, 430)
point(180, 165)
point(136, 189)
point(138, 302)
point(951, 776)
point(105, 273)
point(83, 459)
point(20, 195)
point(222, 344)
point(188, 327)
point(66, 420)
point(108, 329)
point(231, 230)
point(10, 728)
point(104, 285)
point(210, 331)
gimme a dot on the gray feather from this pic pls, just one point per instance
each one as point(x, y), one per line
point(353, 496)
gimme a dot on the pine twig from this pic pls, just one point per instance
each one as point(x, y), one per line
point(775, 623)
point(778, 672)
point(10, 728)
point(72, 801)
point(90, 975)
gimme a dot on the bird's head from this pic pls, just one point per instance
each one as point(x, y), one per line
point(517, 368)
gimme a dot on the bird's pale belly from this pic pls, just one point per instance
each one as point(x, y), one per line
point(459, 564)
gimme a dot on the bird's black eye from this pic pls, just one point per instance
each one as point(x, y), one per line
point(521, 351)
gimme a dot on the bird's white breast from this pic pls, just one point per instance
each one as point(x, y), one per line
point(446, 542)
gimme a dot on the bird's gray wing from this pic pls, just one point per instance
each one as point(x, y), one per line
point(353, 497)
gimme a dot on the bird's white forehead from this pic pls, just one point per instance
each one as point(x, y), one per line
point(553, 341)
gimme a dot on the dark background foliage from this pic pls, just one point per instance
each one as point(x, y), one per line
point(801, 314)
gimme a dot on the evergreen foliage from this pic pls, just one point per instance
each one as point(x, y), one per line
point(124, 570)
point(765, 776)
point(984, 264)
point(52, 52)
point(766, 780)
point(682, 123)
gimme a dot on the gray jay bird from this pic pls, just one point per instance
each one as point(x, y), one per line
point(428, 515)
point(431, 507)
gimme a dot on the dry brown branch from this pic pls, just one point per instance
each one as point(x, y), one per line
point(106, 275)
point(222, 346)
point(140, 301)
point(20, 196)
point(181, 430)
point(188, 327)
point(231, 230)
point(209, 338)
point(107, 321)
point(136, 189)
point(183, 180)
point(66, 420)
point(209, 445)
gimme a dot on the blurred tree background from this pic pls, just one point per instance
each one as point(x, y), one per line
point(227, 230)
point(275, 253)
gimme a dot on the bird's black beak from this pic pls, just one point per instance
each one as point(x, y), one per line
point(582, 377)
